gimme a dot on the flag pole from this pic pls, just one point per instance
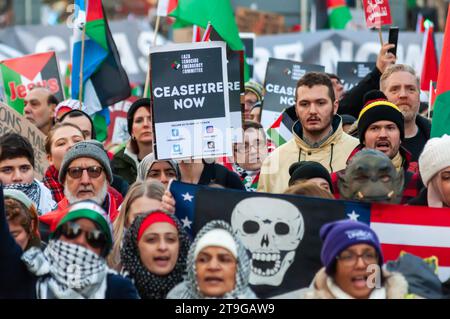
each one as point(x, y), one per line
point(147, 79)
point(380, 35)
point(83, 40)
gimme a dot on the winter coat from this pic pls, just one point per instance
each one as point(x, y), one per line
point(332, 154)
point(395, 284)
point(188, 289)
point(412, 183)
point(125, 164)
point(18, 283)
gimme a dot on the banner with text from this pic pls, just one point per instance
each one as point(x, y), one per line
point(235, 91)
point(281, 80)
point(191, 110)
point(20, 75)
point(377, 13)
point(353, 72)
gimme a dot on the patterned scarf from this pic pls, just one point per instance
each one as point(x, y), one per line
point(67, 271)
point(249, 178)
point(51, 181)
point(33, 192)
point(149, 285)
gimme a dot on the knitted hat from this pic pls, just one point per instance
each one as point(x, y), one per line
point(19, 196)
point(377, 108)
point(91, 149)
point(435, 157)
point(339, 235)
point(90, 210)
point(217, 237)
point(307, 170)
point(133, 108)
point(255, 88)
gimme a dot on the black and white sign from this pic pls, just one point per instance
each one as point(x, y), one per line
point(281, 80)
point(235, 90)
point(191, 114)
point(353, 72)
point(249, 48)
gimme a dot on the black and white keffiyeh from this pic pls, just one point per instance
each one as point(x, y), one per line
point(149, 285)
point(32, 190)
point(67, 271)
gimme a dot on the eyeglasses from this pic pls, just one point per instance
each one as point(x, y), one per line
point(350, 259)
point(95, 238)
point(77, 172)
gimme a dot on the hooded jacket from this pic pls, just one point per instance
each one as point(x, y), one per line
point(395, 285)
point(332, 154)
point(188, 289)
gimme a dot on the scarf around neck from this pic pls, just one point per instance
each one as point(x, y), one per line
point(32, 190)
point(67, 271)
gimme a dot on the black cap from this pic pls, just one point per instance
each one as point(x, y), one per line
point(307, 170)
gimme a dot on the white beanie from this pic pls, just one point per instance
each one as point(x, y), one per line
point(435, 157)
point(216, 237)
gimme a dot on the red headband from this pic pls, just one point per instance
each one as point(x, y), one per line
point(156, 217)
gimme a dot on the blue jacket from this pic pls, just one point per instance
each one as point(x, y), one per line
point(16, 282)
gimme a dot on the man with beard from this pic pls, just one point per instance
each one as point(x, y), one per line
point(317, 135)
point(381, 127)
point(402, 87)
point(86, 174)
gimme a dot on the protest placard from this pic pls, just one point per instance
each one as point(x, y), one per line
point(281, 80)
point(191, 115)
point(353, 72)
point(249, 48)
point(377, 13)
point(12, 121)
point(20, 75)
point(235, 91)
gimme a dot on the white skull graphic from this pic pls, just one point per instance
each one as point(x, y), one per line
point(271, 229)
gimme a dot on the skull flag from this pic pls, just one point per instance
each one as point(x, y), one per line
point(280, 233)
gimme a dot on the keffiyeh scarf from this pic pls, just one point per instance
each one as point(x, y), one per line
point(67, 271)
point(33, 192)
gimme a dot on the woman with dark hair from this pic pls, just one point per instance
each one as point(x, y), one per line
point(139, 121)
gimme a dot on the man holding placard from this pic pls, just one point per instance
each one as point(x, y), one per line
point(318, 134)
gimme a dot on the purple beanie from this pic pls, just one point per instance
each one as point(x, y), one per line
point(339, 235)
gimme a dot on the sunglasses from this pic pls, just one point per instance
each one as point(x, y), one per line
point(77, 172)
point(95, 238)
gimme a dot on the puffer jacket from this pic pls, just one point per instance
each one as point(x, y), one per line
point(332, 154)
point(395, 284)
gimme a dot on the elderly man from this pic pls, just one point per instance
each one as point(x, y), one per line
point(39, 108)
point(86, 174)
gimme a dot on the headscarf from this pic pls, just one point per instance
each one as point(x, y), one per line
point(146, 164)
point(188, 289)
point(149, 285)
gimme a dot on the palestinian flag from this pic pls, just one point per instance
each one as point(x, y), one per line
point(218, 13)
point(281, 130)
point(440, 124)
point(105, 82)
point(20, 75)
point(338, 14)
point(429, 59)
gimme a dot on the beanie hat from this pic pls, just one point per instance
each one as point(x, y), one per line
point(377, 108)
point(434, 157)
point(133, 108)
point(152, 218)
point(339, 235)
point(255, 88)
point(18, 196)
point(307, 170)
point(68, 105)
point(217, 237)
point(90, 210)
point(90, 149)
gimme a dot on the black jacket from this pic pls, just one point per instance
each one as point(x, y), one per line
point(421, 199)
point(124, 166)
point(352, 101)
point(218, 174)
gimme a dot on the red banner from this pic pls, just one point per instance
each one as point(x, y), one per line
point(377, 13)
